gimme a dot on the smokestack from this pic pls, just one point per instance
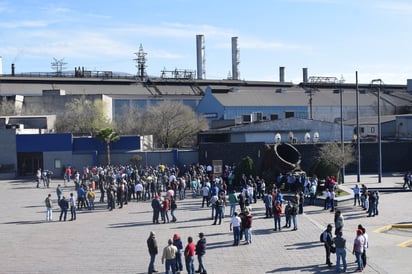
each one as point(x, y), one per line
point(281, 74)
point(235, 59)
point(200, 54)
point(12, 69)
point(305, 75)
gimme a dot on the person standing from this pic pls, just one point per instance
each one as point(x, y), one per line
point(72, 202)
point(293, 214)
point(49, 208)
point(169, 257)
point(190, 256)
point(153, 250)
point(338, 221)
point(177, 242)
point(91, 196)
point(157, 207)
point(59, 192)
point(218, 208)
point(277, 212)
point(328, 242)
point(235, 226)
point(200, 252)
point(332, 200)
point(358, 248)
point(173, 207)
point(232, 202)
point(64, 206)
point(356, 195)
point(205, 195)
point(340, 244)
point(365, 246)
point(248, 227)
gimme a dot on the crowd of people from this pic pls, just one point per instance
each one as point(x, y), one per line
point(164, 186)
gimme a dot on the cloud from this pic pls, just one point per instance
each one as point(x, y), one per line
point(24, 24)
point(395, 7)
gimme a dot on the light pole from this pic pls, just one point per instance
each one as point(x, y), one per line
point(380, 82)
point(342, 143)
point(357, 128)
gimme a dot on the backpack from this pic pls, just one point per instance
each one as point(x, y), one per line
point(321, 237)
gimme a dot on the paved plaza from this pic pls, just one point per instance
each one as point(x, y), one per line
point(103, 241)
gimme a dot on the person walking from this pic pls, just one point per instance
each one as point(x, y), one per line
point(157, 207)
point(235, 226)
point(200, 252)
point(190, 256)
point(169, 257)
point(358, 248)
point(153, 250)
point(328, 243)
point(59, 192)
point(49, 208)
point(340, 244)
point(232, 202)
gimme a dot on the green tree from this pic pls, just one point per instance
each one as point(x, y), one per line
point(108, 135)
point(82, 115)
point(331, 155)
point(245, 166)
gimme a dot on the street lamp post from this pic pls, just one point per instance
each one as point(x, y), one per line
point(379, 81)
point(342, 143)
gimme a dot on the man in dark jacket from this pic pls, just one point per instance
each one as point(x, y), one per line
point(153, 250)
point(200, 252)
point(156, 206)
point(64, 206)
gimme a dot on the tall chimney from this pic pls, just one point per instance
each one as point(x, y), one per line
point(281, 74)
point(12, 69)
point(305, 75)
point(235, 59)
point(200, 54)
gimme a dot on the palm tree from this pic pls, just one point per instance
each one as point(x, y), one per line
point(108, 135)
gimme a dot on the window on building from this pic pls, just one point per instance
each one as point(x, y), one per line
point(372, 129)
point(289, 114)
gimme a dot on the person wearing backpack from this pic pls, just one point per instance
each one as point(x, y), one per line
point(326, 238)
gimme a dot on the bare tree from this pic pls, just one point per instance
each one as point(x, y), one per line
point(82, 115)
point(130, 121)
point(331, 153)
point(7, 108)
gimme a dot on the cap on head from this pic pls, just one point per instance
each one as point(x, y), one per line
point(176, 236)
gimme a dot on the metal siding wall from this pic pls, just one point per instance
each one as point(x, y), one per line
point(43, 142)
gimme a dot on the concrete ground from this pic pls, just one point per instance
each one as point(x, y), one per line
point(103, 241)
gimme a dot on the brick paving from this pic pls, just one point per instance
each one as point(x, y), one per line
point(103, 241)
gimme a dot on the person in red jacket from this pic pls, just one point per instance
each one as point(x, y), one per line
point(277, 211)
point(190, 256)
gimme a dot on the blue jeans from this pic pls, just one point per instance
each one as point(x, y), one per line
point(170, 265)
point(236, 235)
point(248, 235)
point(358, 256)
point(295, 222)
point(277, 222)
point(340, 254)
point(190, 264)
point(151, 263)
point(179, 265)
point(172, 212)
point(232, 208)
point(201, 265)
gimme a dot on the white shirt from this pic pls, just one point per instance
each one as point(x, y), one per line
point(236, 221)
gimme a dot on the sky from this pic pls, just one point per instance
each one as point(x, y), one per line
point(331, 38)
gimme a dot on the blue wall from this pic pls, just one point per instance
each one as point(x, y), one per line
point(43, 142)
point(65, 142)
